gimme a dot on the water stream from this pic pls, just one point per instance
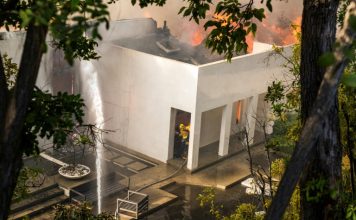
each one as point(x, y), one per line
point(91, 75)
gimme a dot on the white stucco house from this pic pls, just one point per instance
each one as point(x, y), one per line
point(145, 78)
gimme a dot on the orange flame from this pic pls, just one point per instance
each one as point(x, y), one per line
point(197, 37)
point(249, 41)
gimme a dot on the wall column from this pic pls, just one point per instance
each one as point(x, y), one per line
point(172, 130)
point(225, 130)
point(194, 140)
point(251, 112)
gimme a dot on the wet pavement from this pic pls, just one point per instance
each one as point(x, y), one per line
point(167, 200)
point(187, 206)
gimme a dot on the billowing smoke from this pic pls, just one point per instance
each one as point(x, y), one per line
point(275, 29)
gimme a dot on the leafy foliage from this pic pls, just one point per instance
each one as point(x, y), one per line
point(51, 116)
point(73, 24)
point(247, 211)
point(196, 10)
point(29, 177)
point(81, 211)
point(231, 24)
point(10, 70)
point(351, 212)
point(342, 11)
point(293, 210)
point(143, 3)
point(47, 115)
point(244, 211)
point(284, 97)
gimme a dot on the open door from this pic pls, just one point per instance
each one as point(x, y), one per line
point(180, 123)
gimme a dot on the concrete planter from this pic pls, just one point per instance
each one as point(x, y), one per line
point(71, 171)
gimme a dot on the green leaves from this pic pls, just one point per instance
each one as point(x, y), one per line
point(259, 13)
point(351, 212)
point(352, 22)
point(26, 16)
point(73, 24)
point(349, 80)
point(196, 10)
point(145, 3)
point(327, 59)
point(28, 177)
point(78, 40)
point(51, 116)
point(269, 5)
point(79, 211)
point(316, 189)
point(275, 95)
point(231, 24)
point(10, 70)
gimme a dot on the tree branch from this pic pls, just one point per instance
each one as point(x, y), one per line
point(16, 109)
point(313, 125)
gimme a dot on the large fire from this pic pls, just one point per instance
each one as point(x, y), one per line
point(200, 34)
point(278, 34)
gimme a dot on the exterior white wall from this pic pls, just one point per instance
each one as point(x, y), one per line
point(138, 91)
point(248, 75)
point(222, 83)
point(210, 126)
point(12, 44)
point(128, 28)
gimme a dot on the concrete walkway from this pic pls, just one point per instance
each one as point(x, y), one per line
point(227, 172)
point(221, 175)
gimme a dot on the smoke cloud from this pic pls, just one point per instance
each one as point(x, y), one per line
point(273, 30)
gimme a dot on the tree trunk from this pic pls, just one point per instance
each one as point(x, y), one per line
point(318, 37)
point(14, 113)
point(313, 129)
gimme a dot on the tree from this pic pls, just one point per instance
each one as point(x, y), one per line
point(318, 31)
point(67, 21)
point(313, 145)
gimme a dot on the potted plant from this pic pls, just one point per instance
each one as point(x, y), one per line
point(79, 141)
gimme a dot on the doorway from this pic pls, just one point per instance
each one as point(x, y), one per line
point(180, 137)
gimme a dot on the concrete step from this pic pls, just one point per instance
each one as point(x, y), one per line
point(36, 198)
point(106, 191)
point(110, 185)
point(39, 208)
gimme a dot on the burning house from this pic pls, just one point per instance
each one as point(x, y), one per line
point(149, 83)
